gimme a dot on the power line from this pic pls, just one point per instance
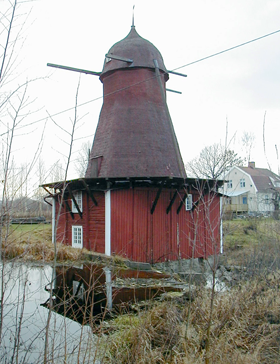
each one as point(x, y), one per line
point(186, 65)
point(227, 50)
point(177, 68)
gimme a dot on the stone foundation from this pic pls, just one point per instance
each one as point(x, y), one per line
point(195, 270)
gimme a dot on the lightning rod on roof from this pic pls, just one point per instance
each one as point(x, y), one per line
point(133, 15)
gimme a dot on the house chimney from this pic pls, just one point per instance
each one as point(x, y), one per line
point(251, 165)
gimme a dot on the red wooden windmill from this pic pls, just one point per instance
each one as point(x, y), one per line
point(135, 199)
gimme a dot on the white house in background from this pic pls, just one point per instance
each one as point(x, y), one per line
point(251, 190)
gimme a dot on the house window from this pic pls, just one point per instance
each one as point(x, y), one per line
point(79, 199)
point(266, 201)
point(244, 200)
point(77, 237)
point(189, 202)
point(229, 184)
point(242, 182)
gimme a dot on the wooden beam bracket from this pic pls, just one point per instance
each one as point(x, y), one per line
point(69, 209)
point(156, 199)
point(171, 202)
point(182, 203)
point(74, 200)
point(89, 192)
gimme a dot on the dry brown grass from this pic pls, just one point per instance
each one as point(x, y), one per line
point(40, 251)
point(245, 329)
point(33, 243)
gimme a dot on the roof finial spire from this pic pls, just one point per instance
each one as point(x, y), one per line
point(133, 17)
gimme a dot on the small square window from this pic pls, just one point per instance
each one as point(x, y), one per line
point(79, 199)
point(77, 237)
point(188, 202)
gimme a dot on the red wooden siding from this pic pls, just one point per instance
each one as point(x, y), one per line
point(139, 235)
point(142, 233)
point(122, 222)
point(92, 221)
point(96, 238)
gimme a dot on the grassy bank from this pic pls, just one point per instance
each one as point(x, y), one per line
point(242, 238)
point(34, 243)
point(253, 244)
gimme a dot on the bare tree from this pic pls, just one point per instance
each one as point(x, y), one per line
point(248, 140)
point(213, 161)
point(70, 142)
point(81, 162)
point(57, 172)
point(15, 110)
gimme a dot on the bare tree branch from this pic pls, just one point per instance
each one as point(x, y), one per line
point(213, 161)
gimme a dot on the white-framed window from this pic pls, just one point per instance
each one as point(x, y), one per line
point(79, 199)
point(77, 237)
point(266, 199)
point(188, 202)
point(229, 184)
point(242, 182)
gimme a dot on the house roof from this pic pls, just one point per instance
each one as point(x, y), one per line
point(263, 178)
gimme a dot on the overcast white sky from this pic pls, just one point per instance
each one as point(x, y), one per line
point(237, 87)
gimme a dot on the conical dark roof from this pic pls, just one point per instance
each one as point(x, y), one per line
point(136, 48)
point(135, 135)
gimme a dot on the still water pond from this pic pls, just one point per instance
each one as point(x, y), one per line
point(26, 323)
point(53, 315)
